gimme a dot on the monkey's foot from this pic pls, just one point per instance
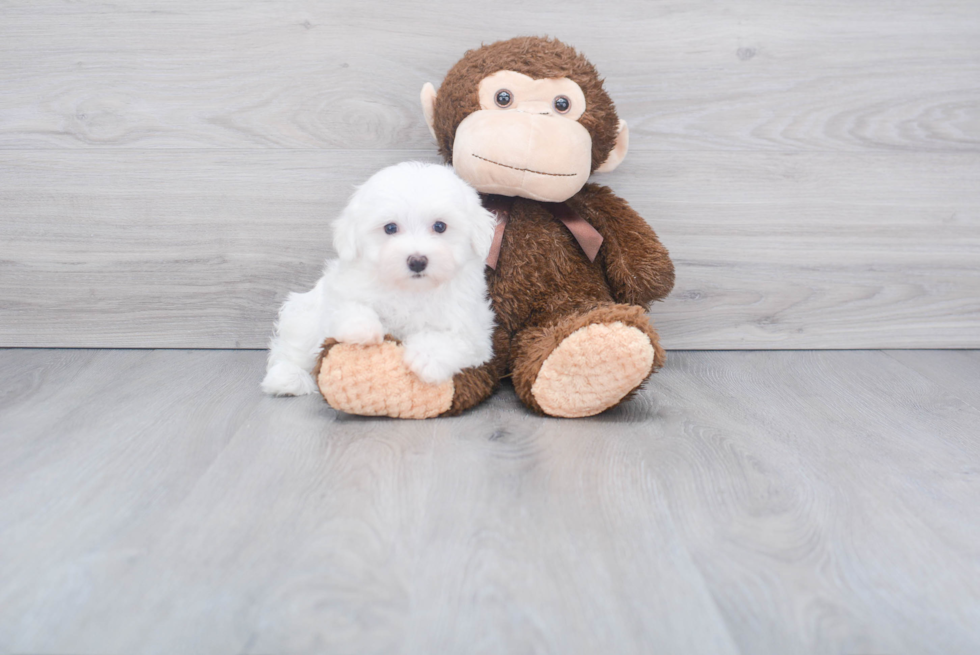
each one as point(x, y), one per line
point(593, 369)
point(374, 381)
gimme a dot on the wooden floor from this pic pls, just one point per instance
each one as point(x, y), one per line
point(747, 502)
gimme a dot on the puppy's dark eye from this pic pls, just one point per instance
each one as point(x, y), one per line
point(503, 98)
point(439, 227)
point(391, 228)
point(562, 104)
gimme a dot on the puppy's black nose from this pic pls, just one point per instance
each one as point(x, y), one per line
point(417, 263)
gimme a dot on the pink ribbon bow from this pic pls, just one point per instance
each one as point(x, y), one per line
point(587, 236)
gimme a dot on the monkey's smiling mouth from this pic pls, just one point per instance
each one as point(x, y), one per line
point(524, 170)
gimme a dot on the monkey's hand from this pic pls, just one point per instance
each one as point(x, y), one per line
point(637, 266)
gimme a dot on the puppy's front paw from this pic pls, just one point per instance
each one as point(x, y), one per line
point(362, 332)
point(428, 360)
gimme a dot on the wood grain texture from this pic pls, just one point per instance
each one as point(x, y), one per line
point(956, 371)
point(834, 75)
point(817, 502)
point(792, 482)
point(197, 248)
point(167, 170)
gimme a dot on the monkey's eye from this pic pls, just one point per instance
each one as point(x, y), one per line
point(391, 228)
point(503, 98)
point(562, 104)
point(439, 227)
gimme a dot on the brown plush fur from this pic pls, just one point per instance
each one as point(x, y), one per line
point(472, 386)
point(539, 58)
point(544, 287)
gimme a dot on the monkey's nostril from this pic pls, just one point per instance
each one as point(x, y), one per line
point(417, 263)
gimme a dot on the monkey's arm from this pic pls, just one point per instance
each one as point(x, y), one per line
point(637, 265)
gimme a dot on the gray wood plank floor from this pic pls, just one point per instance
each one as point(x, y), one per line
point(746, 502)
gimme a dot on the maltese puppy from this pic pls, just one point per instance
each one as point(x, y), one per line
point(411, 246)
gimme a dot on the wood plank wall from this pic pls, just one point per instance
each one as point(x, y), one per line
point(168, 170)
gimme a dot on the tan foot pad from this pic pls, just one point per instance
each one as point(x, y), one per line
point(374, 381)
point(592, 370)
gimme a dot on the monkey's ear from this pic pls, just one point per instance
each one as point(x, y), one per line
point(429, 106)
point(618, 153)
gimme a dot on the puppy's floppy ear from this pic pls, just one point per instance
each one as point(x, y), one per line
point(483, 225)
point(345, 234)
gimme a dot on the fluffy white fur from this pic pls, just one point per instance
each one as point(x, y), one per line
point(441, 314)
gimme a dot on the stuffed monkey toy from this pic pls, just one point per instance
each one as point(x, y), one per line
point(573, 268)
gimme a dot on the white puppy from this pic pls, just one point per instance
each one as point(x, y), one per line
point(411, 246)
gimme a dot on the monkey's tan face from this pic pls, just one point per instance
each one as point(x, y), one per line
point(525, 140)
